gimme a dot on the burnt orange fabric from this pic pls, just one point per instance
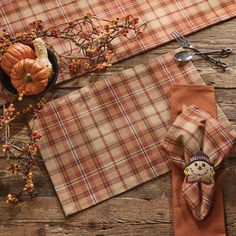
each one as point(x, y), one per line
point(202, 96)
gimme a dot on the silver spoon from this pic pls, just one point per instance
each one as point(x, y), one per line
point(185, 56)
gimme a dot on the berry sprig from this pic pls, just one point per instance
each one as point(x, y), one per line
point(22, 155)
point(92, 43)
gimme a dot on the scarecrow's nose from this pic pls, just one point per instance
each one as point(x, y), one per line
point(199, 168)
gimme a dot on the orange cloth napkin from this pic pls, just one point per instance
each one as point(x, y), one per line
point(198, 94)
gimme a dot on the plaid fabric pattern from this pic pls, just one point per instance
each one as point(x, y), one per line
point(100, 142)
point(162, 17)
point(195, 130)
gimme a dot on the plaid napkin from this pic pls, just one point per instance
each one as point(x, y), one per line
point(198, 144)
point(100, 142)
point(162, 17)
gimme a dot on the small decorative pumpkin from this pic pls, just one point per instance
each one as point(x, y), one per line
point(14, 54)
point(29, 77)
point(42, 55)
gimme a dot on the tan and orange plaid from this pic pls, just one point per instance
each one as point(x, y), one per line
point(195, 130)
point(162, 17)
point(100, 142)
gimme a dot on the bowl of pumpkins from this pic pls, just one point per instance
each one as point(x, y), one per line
point(28, 69)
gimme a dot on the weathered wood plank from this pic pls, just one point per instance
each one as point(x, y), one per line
point(117, 216)
point(160, 187)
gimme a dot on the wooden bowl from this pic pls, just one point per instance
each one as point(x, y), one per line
point(6, 80)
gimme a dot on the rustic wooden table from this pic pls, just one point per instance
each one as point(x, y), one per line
point(145, 210)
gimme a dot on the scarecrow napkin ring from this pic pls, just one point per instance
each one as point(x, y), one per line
point(198, 144)
point(199, 169)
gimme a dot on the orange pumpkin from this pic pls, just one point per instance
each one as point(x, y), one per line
point(15, 53)
point(29, 77)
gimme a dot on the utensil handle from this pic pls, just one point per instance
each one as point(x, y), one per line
point(224, 52)
point(218, 62)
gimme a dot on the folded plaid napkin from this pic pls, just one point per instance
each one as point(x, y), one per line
point(198, 144)
point(162, 17)
point(100, 142)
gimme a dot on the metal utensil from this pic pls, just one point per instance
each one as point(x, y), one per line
point(185, 56)
point(185, 43)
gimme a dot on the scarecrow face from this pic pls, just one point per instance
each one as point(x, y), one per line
point(199, 170)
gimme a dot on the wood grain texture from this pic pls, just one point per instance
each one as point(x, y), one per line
point(146, 209)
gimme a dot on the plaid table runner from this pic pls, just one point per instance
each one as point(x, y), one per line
point(100, 142)
point(162, 17)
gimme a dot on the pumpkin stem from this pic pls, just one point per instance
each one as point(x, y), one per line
point(28, 78)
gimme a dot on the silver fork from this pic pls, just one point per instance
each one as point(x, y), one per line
point(185, 43)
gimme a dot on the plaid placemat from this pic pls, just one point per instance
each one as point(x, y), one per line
point(100, 142)
point(162, 17)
